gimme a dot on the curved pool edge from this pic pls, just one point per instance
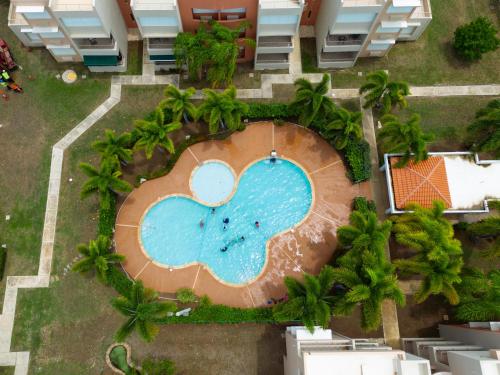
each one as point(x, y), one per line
point(236, 184)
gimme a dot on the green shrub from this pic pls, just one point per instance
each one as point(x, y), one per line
point(494, 205)
point(118, 357)
point(205, 301)
point(107, 217)
point(185, 295)
point(489, 227)
point(223, 314)
point(475, 38)
point(364, 205)
point(357, 154)
point(151, 366)
point(119, 281)
point(3, 261)
point(270, 111)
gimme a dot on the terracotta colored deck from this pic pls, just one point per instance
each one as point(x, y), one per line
point(305, 249)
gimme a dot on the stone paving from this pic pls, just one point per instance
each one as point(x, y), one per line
point(21, 359)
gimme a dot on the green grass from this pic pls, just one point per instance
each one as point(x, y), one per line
point(447, 118)
point(430, 60)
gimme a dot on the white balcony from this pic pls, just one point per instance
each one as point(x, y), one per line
point(138, 5)
point(337, 59)
point(275, 44)
point(343, 43)
point(280, 4)
point(272, 61)
point(160, 46)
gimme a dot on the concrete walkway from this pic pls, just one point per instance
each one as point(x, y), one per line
point(389, 310)
point(41, 280)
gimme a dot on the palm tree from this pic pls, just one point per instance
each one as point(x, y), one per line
point(115, 148)
point(311, 101)
point(364, 232)
point(438, 257)
point(222, 110)
point(155, 133)
point(479, 295)
point(97, 256)
point(178, 102)
point(343, 126)
point(105, 181)
point(364, 271)
point(368, 280)
point(380, 91)
point(309, 301)
point(143, 310)
point(484, 132)
point(406, 138)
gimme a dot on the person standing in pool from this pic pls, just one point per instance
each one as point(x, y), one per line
point(257, 225)
point(202, 223)
point(213, 210)
point(226, 220)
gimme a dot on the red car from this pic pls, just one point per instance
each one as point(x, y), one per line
point(6, 60)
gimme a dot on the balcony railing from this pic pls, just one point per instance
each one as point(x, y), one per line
point(161, 43)
point(345, 40)
point(95, 43)
point(275, 41)
point(338, 56)
point(273, 58)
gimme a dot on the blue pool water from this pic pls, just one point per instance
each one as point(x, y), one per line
point(277, 195)
point(212, 182)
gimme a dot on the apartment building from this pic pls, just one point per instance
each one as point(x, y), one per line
point(467, 349)
point(326, 352)
point(348, 29)
point(87, 31)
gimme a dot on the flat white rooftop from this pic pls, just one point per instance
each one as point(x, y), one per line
point(71, 5)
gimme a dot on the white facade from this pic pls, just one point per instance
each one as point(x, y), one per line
point(325, 352)
point(348, 29)
point(85, 30)
point(277, 23)
point(159, 22)
point(471, 349)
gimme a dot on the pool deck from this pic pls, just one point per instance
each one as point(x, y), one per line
point(306, 248)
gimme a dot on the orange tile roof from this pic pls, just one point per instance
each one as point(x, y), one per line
point(421, 183)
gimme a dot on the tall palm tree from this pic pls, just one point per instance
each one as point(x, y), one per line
point(364, 232)
point(368, 280)
point(97, 256)
point(155, 133)
point(484, 132)
point(179, 103)
point(222, 110)
point(380, 91)
point(479, 295)
point(343, 126)
point(406, 138)
point(309, 301)
point(438, 257)
point(113, 147)
point(311, 100)
point(364, 271)
point(105, 181)
point(143, 310)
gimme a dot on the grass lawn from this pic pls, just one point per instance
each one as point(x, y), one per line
point(447, 118)
point(32, 122)
point(430, 60)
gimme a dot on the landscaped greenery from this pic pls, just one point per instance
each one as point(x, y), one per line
point(3, 261)
point(484, 132)
point(383, 94)
point(405, 138)
point(366, 276)
point(438, 255)
point(310, 302)
point(479, 296)
point(487, 234)
point(213, 48)
point(473, 40)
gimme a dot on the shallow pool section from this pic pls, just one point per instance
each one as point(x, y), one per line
point(212, 182)
point(179, 231)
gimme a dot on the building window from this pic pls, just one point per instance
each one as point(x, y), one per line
point(392, 9)
point(378, 47)
point(205, 14)
point(81, 21)
point(241, 52)
point(56, 35)
point(356, 17)
point(62, 51)
point(158, 21)
point(233, 14)
point(32, 37)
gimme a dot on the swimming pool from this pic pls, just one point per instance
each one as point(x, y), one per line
point(178, 231)
point(212, 182)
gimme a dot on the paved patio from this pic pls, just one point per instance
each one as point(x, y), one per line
point(305, 249)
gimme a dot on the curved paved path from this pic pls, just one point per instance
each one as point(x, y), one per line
point(306, 248)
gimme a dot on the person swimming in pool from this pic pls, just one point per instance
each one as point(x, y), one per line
point(213, 210)
point(223, 249)
point(202, 223)
point(257, 225)
point(242, 238)
point(226, 220)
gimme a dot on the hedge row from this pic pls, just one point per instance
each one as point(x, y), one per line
point(364, 205)
point(223, 314)
point(357, 154)
point(3, 261)
point(107, 217)
point(270, 111)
